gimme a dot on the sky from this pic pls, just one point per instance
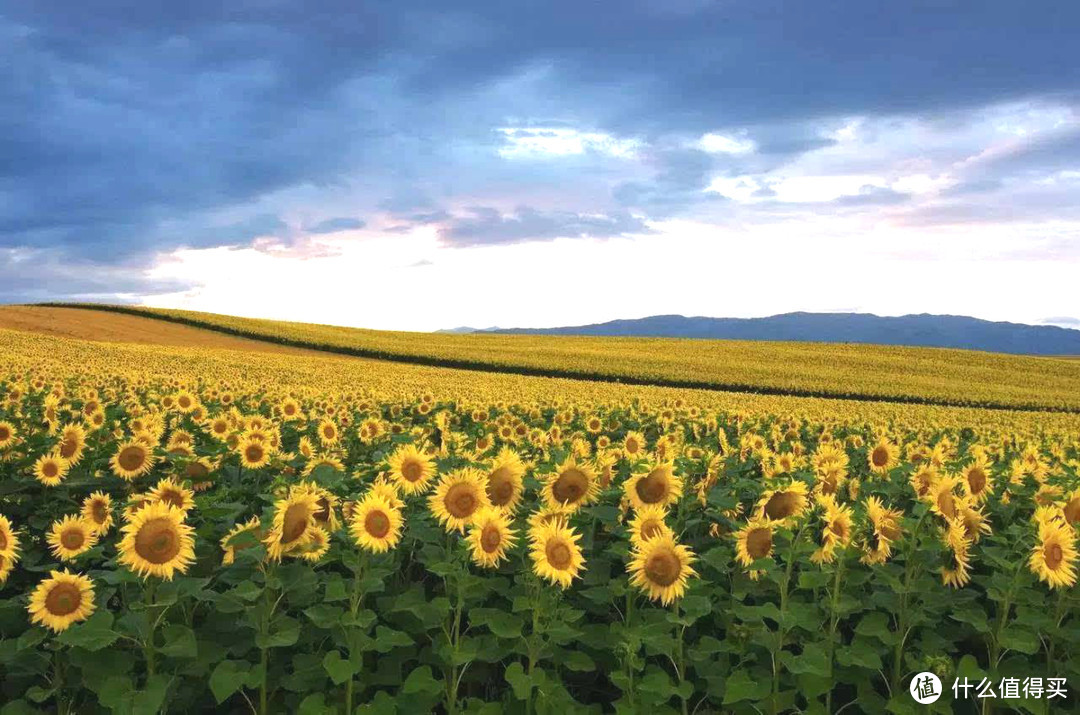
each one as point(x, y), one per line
point(426, 165)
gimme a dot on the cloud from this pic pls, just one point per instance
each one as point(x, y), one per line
point(487, 226)
point(333, 225)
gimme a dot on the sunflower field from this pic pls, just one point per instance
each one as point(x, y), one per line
point(207, 530)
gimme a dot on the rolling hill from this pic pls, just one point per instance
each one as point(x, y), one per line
point(923, 330)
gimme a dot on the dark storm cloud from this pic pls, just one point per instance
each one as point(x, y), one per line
point(487, 226)
point(121, 120)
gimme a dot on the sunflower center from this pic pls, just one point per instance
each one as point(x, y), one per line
point(172, 498)
point(976, 480)
point(158, 541)
point(3, 541)
point(5, 434)
point(663, 568)
point(72, 538)
point(558, 555)
point(63, 599)
point(631, 445)
point(377, 524)
point(490, 539)
point(68, 447)
point(295, 523)
point(412, 470)
point(570, 487)
point(1054, 555)
point(781, 505)
point(653, 487)
point(196, 471)
point(880, 456)
point(50, 469)
point(759, 543)
point(839, 528)
point(947, 504)
point(131, 458)
point(1072, 511)
point(651, 528)
point(461, 502)
point(890, 529)
point(500, 487)
point(254, 452)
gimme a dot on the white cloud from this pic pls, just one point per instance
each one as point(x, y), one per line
point(722, 144)
point(532, 142)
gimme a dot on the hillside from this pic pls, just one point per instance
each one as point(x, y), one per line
point(900, 374)
point(942, 331)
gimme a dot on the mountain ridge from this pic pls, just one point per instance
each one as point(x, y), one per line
point(916, 329)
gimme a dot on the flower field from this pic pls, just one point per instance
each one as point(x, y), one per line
point(904, 374)
point(204, 529)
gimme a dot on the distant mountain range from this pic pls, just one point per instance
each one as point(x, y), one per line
point(942, 331)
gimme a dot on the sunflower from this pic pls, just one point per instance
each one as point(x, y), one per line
point(315, 545)
point(884, 531)
point(294, 517)
point(200, 473)
point(62, 599)
point(555, 553)
point(572, 486)
point(70, 537)
point(411, 469)
point(72, 443)
point(328, 432)
point(943, 498)
point(132, 459)
point(977, 481)
point(7, 563)
point(754, 540)
point(1053, 559)
point(7, 435)
point(375, 525)
point(883, 456)
point(661, 567)
point(504, 480)
point(1071, 509)
point(836, 532)
point(658, 486)
point(490, 537)
point(976, 524)
point(922, 480)
point(169, 492)
point(633, 445)
point(784, 504)
point(254, 452)
point(50, 469)
point(956, 572)
point(326, 514)
point(9, 540)
point(230, 545)
point(546, 515)
point(648, 523)
point(457, 498)
point(157, 542)
point(388, 491)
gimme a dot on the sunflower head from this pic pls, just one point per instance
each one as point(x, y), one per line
point(133, 459)
point(555, 554)
point(490, 537)
point(572, 486)
point(62, 599)
point(157, 542)
point(658, 486)
point(173, 494)
point(70, 537)
point(661, 568)
point(458, 497)
point(375, 524)
point(1053, 559)
point(754, 540)
point(784, 504)
point(411, 469)
point(504, 480)
point(240, 537)
point(649, 522)
point(50, 469)
point(294, 517)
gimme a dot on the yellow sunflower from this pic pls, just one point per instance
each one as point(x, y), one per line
point(254, 453)
point(572, 486)
point(62, 599)
point(375, 525)
point(132, 459)
point(72, 443)
point(784, 504)
point(504, 480)
point(661, 568)
point(546, 515)
point(315, 545)
point(1053, 559)
point(943, 498)
point(956, 572)
point(648, 523)
point(97, 511)
point(490, 537)
point(977, 481)
point(656, 487)
point(1071, 508)
point(457, 498)
point(633, 445)
point(70, 537)
point(50, 469)
point(884, 532)
point(230, 544)
point(9, 540)
point(754, 540)
point(7, 435)
point(883, 456)
point(412, 469)
point(555, 553)
point(328, 432)
point(294, 517)
point(173, 494)
point(157, 542)
point(836, 531)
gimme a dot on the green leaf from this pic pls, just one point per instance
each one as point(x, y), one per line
point(93, 634)
point(339, 669)
point(577, 661)
point(421, 681)
point(314, 704)
point(812, 661)
point(519, 681)
point(227, 678)
point(285, 631)
point(502, 624)
point(1020, 640)
point(179, 641)
point(386, 639)
point(31, 638)
point(325, 615)
point(740, 686)
point(876, 624)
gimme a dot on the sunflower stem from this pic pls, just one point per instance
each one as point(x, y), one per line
point(148, 646)
point(834, 622)
point(781, 630)
point(901, 618)
point(680, 665)
point(354, 608)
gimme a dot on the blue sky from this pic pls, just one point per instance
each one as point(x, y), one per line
point(420, 165)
